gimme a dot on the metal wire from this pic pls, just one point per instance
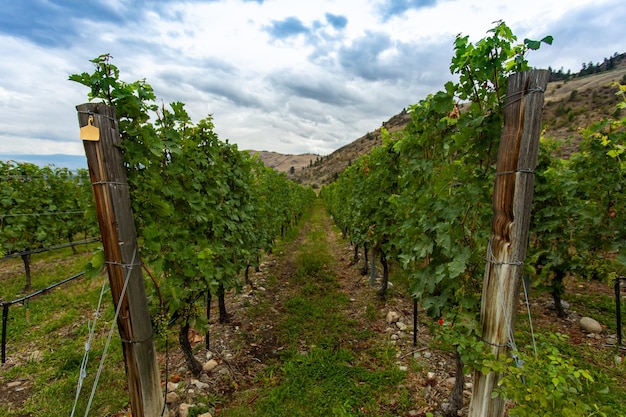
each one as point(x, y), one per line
point(83, 366)
point(108, 342)
point(97, 114)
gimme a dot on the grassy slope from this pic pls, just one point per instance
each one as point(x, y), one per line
point(55, 324)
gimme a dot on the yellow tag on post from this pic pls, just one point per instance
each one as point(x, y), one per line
point(89, 131)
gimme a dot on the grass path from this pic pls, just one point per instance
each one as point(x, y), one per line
point(310, 338)
point(330, 362)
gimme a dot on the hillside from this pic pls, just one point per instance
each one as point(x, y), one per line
point(569, 106)
point(284, 163)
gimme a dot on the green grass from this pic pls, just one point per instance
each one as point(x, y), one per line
point(321, 373)
point(599, 361)
point(55, 323)
point(325, 382)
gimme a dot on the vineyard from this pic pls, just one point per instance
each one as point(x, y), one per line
point(298, 329)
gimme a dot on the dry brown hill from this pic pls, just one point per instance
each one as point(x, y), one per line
point(327, 168)
point(569, 106)
point(286, 163)
point(578, 103)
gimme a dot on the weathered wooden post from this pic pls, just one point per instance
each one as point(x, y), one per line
point(108, 177)
point(512, 200)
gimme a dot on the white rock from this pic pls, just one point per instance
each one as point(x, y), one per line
point(392, 317)
point(171, 386)
point(200, 385)
point(210, 365)
point(205, 415)
point(552, 306)
point(394, 337)
point(427, 355)
point(172, 397)
point(431, 376)
point(403, 368)
point(400, 325)
point(590, 325)
point(183, 410)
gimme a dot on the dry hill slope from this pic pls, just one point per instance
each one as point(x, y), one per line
point(569, 105)
point(284, 163)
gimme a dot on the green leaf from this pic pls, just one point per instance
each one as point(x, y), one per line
point(95, 263)
point(534, 45)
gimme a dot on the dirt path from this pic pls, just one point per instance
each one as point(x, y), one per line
point(243, 349)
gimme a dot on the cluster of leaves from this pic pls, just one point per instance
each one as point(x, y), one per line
point(579, 222)
point(359, 201)
point(548, 384)
point(43, 207)
point(539, 380)
point(425, 194)
point(203, 209)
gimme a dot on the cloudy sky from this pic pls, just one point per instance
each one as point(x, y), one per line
point(290, 76)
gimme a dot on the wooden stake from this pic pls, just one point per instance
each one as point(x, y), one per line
point(117, 227)
point(512, 200)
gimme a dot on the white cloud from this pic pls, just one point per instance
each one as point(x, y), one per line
point(279, 75)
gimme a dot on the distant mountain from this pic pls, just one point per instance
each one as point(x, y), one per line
point(569, 105)
point(327, 168)
point(285, 162)
point(72, 162)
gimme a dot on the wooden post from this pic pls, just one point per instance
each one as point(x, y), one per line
point(512, 200)
point(117, 227)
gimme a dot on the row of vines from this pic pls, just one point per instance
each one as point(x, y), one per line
point(42, 208)
point(205, 212)
point(423, 199)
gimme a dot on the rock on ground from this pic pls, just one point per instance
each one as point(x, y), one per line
point(590, 325)
point(392, 317)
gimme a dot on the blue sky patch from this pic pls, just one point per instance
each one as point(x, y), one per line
point(287, 28)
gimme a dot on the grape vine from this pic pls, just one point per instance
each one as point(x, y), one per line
point(203, 209)
point(432, 207)
point(42, 207)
